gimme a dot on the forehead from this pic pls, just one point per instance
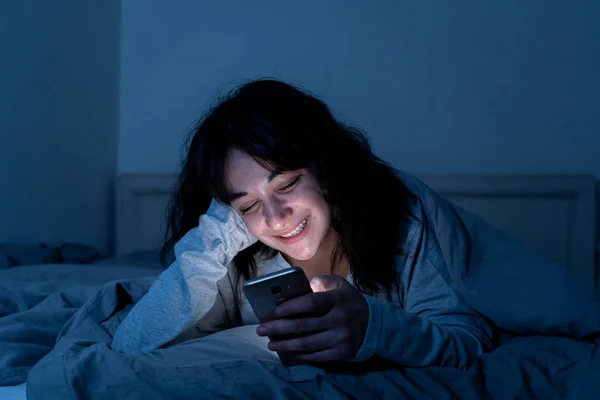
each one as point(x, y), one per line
point(241, 170)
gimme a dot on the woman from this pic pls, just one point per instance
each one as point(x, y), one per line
point(271, 180)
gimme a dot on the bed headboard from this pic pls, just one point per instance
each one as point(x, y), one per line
point(554, 215)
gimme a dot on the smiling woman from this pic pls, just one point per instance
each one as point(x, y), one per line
point(271, 180)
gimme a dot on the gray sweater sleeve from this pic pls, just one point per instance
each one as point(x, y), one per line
point(187, 298)
point(429, 324)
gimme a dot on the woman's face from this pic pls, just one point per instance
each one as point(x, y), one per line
point(285, 211)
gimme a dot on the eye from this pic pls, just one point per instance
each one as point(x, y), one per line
point(290, 185)
point(248, 209)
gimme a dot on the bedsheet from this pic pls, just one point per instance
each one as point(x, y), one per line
point(236, 364)
point(35, 303)
point(547, 323)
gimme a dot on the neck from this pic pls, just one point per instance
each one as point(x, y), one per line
point(320, 263)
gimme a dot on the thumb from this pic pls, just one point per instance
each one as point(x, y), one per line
point(324, 283)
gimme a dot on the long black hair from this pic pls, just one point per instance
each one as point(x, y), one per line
point(285, 128)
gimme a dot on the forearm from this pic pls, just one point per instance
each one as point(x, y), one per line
point(188, 290)
point(414, 341)
point(170, 308)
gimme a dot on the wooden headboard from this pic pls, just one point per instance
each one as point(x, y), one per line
point(554, 215)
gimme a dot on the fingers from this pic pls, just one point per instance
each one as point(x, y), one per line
point(323, 283)
point(328, 290)
point(303, 345)
point(313, 303)
point(282, 327)
point(325, 346)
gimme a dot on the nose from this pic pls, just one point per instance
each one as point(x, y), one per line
point(277, 214)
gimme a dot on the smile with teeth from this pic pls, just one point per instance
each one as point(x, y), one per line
point(296, 231)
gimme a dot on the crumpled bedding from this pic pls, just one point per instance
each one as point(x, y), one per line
point(15, 255)
point(36, 301)
point(57, 335)
point(236, 364)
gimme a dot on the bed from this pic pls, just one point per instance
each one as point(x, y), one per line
point(554, 216)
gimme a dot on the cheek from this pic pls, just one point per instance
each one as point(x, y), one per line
point(324, 210)
point(252, 225)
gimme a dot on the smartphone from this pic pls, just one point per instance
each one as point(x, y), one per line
point(266, 292)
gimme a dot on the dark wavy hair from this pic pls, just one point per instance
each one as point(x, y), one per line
point(285, 129)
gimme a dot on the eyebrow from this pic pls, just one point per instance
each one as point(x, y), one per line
point(235, 196)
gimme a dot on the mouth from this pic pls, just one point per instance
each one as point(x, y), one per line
point(296, 231)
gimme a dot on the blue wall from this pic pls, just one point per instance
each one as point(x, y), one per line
point(58, 120)
point(454, 86)
point(90, 89)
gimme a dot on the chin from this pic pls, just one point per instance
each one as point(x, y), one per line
point(303, 255)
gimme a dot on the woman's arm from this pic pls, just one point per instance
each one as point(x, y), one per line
point(434, 326)
point(444, 334)
point(193, 290)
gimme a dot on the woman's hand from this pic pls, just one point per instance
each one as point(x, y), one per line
point(335, 334)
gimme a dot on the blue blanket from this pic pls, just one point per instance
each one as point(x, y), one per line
point(548, 324)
